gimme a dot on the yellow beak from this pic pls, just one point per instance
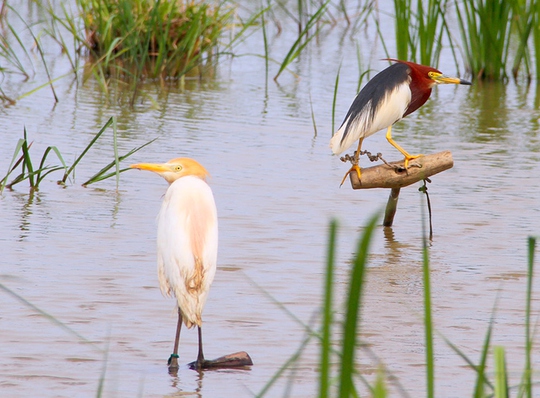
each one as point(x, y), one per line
point(442, 79)
point(156, 168)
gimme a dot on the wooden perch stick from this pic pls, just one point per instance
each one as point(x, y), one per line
point(385, 176)
point(237, 360)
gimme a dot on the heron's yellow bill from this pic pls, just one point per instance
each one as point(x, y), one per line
point(443, 79)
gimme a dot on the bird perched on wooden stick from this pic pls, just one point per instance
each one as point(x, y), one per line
point(392, 94)
point(187, 243)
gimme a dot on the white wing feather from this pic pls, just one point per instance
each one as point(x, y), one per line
point(394, 104)
point(188, 217)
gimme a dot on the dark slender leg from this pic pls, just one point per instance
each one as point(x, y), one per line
point(173, 359)
point(200, 357)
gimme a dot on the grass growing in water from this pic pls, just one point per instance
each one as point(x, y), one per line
point(420, 30)
point(138, 39)
point(352, 318)
point(304, 37)
point(152, 39)
point(36, 175)
point(340, 355)
point(486, 29)
point(28, 172)
point(526, 15)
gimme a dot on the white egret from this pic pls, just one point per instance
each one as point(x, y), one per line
point(187, 243)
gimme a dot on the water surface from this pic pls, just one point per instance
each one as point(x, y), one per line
point(86, 256)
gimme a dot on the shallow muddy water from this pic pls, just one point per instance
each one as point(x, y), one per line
point(86, 256)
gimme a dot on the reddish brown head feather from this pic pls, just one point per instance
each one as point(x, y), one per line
point(420, 84)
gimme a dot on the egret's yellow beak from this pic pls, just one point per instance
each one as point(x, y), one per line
point(443, 79)
point(156, 168)
point(174, 169)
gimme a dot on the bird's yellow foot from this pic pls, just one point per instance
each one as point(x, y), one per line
point(358, 173)
point(411, 157)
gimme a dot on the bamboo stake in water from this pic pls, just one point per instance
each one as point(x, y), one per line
point(391, 207)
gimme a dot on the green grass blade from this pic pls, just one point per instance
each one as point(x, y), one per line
point(428, 323)
point(11, 54)
point(303, 39)
point(313, 117)
point(47, 316)
point(403, 19)
point(292, 360)
point(478, 369)
point(41, 172)
point(379, 390)
point(536, 36)
point(101, 174)
point(48, 83)
point(266, 51)
point(46, 171)
point(27, 161)
point(42, 56)
point(92, 142)
point(528, 337)
point(40, 177)
point(334, 99)
point(486, 29)
point(241, 35)
point(450, 38)
point(524, 24)
point(21, 177)
point(324, 378)
point(308, 329)
point(501, 377)
point(115, 148)
point(481, 378)
point(12, 165)
point(383, 42)
point(356, 284)
point(101, 383)
point(365, 72)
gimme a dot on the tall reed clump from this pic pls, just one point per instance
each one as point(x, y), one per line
point(404, 44)
point(527, 20)
point(535, 27)
point(420, 29)
point(486, 28)
point(152, 39)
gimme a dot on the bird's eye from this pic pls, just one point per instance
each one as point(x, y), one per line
point(431, 74)
point(177, 168)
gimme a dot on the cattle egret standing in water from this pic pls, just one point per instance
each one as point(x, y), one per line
point(187, 243)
